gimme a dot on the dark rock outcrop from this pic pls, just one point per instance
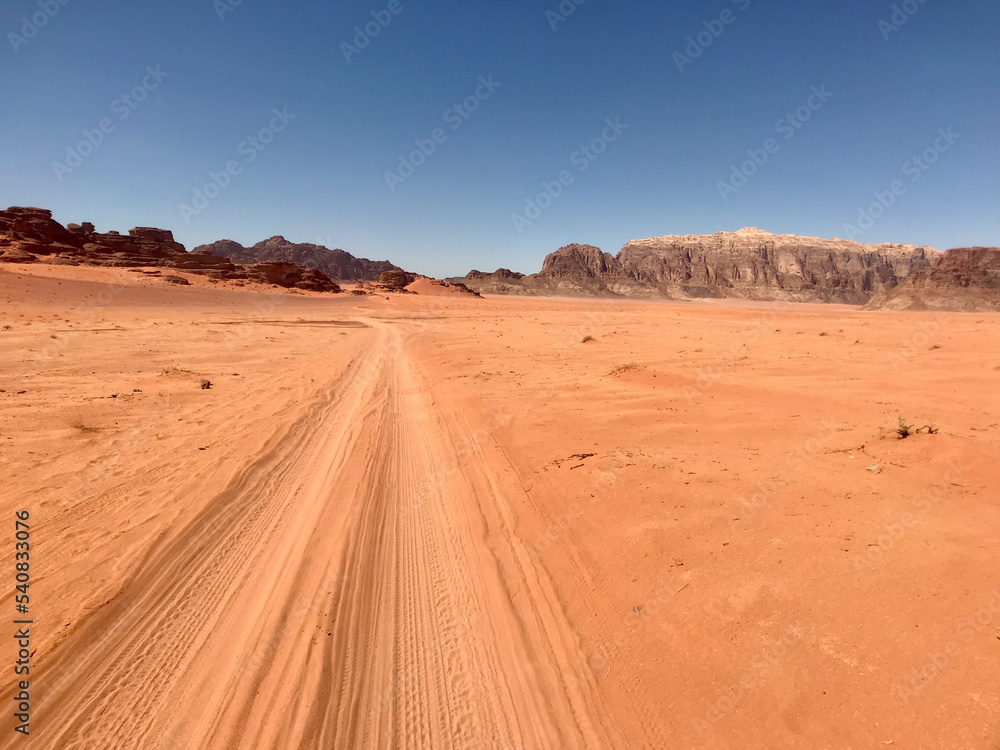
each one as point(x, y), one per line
point(582, 260)
point(501, 274)
point(33, 231)
point(337, 264)
point(26, 233)
point(964, 279)
point(458, 285)
point(31, 234)
point(290, 275)
point(222, 248)
point(501, 281)
point(390, 282)
point(396, 279)
point(749, 264)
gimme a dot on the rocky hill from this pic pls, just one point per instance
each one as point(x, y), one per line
point(337, 264)
point(965, 279)
point(749, 264)
point(30, 235)
point(573, 271)
point(501, 281)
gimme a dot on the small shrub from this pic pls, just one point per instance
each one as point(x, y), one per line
point(904, 430)
point(623, 368)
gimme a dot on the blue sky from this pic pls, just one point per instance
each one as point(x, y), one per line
point(687, 117)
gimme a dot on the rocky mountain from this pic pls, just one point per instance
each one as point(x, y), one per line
point(29, 235)
point(964, 279)
point(337, 264)
point(749, 264)
point(501, 281)
point(573, 270)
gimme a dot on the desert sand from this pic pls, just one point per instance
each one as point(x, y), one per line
point(446, 522)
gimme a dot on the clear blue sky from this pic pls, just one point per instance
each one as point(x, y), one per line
point(323, 177)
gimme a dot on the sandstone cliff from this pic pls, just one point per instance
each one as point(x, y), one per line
point(573, 270)
point(965, 279)
point(29, 235)
point(750, 264)
point(337, 264)
point(754, 264)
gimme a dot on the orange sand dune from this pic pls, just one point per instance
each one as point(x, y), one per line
point(454, 523)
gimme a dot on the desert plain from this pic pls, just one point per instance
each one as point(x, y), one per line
point(448, 522)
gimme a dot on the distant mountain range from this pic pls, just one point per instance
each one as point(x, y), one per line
point(748, 264)
point(337, 264)
point(31, 235)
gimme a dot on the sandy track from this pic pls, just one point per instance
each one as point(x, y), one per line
point(357, 584)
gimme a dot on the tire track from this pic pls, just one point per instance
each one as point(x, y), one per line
point(355, 586)
point(108, 681)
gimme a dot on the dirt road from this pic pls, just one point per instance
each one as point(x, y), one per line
point(356, 585)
